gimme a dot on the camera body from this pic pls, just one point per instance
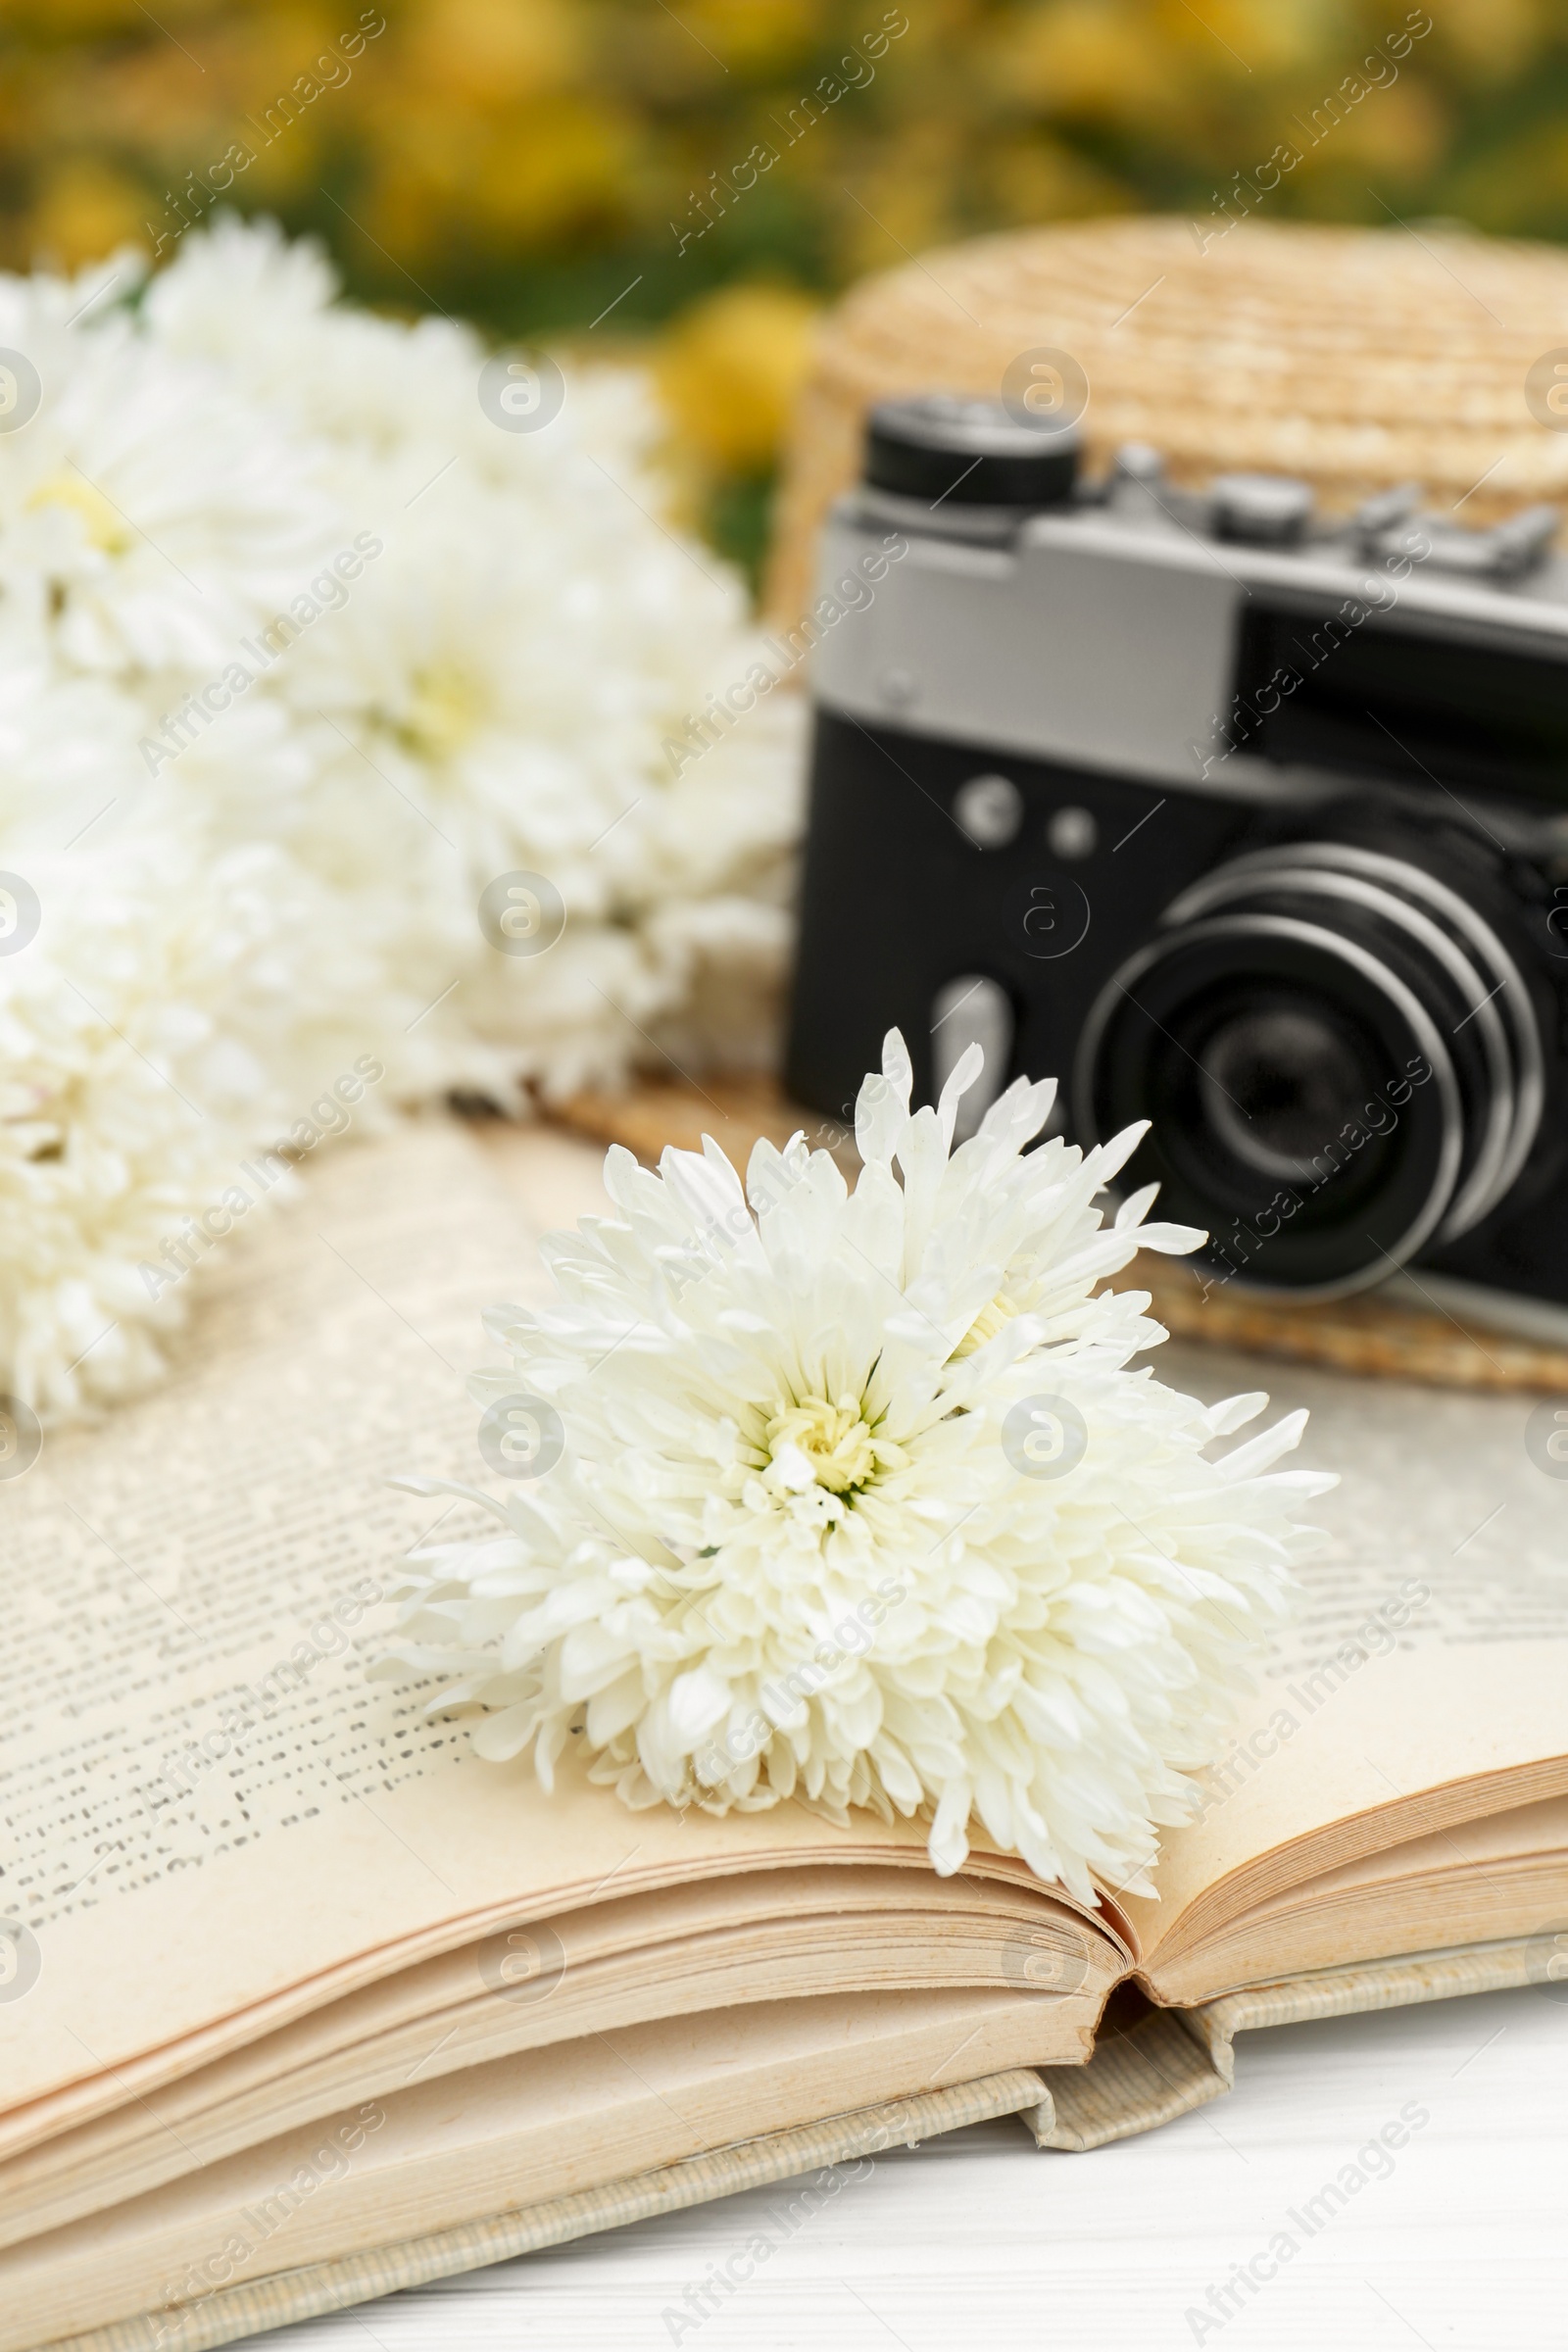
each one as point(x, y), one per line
point(1241, 821)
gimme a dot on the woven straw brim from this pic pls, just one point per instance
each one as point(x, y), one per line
point(1354, 358)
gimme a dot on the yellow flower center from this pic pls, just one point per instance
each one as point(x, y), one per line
point(106, 527)
point(986, 1325)
point(834, 1438)
point(443, 711)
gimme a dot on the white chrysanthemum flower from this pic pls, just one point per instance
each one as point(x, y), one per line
point(860, 1504)
point(496, 696)
point(498, 691)
point(242, 295)
point(169, 1007)
point(355, 931)
point(151, 512)
point(123, 1111)
point(300, 651)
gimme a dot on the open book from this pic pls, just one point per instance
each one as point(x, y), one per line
point(301, 2001)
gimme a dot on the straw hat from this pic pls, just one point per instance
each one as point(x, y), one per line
point(1355, 358)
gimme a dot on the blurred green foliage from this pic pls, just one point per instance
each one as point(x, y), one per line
point(595, 166)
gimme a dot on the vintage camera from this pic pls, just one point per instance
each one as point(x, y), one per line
point(1241, 820)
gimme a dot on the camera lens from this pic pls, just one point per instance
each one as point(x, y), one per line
point(1275, 1080)
point(1339, 1058)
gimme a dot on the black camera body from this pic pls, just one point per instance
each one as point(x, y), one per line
point(1239, 822)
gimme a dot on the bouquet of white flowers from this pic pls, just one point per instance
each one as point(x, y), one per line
point(339, 663)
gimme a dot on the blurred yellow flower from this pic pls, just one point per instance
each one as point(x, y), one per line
point(729, 369)
point(1400, 136)
point(531, 162)
point(488, 54)
point(84, 208)
point(760, 32)
point(1496, 37)
point(1090, 58)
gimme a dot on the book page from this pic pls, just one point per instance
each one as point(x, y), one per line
point(707, 1946)
point(1525, 1833)
point(554, 2122)
point(215, 1820)
point(1429, 1648)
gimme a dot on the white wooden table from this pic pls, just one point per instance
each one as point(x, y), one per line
point(981, 2240)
